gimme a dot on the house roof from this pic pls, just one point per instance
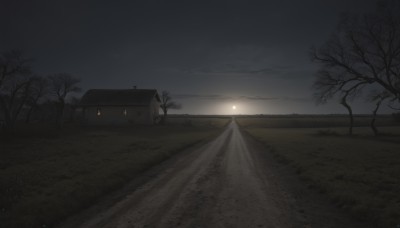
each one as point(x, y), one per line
point(119, 97)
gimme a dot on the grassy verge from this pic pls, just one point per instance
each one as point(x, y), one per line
point(46, 176)
point(314, 121)
point(361, 174)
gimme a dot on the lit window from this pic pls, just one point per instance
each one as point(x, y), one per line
point(98, 112)
point(125, 112)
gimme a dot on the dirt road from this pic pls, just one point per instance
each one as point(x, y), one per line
point(221, 184)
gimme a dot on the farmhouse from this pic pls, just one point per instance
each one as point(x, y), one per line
point(120, 106)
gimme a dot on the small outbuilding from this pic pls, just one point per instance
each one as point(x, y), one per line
point(120, 106)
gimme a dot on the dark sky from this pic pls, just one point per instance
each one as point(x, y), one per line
point(210, 55)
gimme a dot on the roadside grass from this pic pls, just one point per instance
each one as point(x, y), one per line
point(46, 175)
point(188, 120)
point(360, 174)
point(313, 121)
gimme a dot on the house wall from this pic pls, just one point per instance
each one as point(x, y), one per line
point(114, 115)
point(154, 109)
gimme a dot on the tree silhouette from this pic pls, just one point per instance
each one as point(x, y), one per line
point(378, 98)
point(39, 89)
point(62, 84)
point(167, 104)
point(363, 52)
point(15, 85)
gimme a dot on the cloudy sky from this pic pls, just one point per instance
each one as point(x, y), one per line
point(210, 55)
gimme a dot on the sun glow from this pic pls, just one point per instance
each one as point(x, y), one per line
point(234, 107)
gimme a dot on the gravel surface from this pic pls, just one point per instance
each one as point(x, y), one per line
point(228, 182)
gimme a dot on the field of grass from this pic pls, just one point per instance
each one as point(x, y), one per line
point(46, 175)
point(360, 174)
point(313, 121)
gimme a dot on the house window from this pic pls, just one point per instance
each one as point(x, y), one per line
point(98, 113)
point(125, 112)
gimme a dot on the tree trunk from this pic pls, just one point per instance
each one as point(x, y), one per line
point(33, 106)
point(374, 112)
point(164, 118)
point(9, 123)
point(347, 106)
point(60, 113)
point(28, 115)
point(15, 112)
point(8, 126)
point(72, 113)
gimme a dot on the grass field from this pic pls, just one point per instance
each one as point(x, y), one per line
point(313, 121)
point(46, 175)
point(360, 174)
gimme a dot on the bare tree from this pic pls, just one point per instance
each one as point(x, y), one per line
point(39, 89)
point(167, 104)
point(332, 84)
point(62, 85)
point(15, 85)
point(343, 101)
point(365, 50)
point(378, 98)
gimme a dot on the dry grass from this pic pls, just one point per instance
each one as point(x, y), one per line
point(359, 173)
point(47, 175)
point(313, 121)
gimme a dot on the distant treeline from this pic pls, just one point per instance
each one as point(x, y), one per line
point(27, 96)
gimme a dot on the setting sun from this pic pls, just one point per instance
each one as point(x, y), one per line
point(234, 107)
